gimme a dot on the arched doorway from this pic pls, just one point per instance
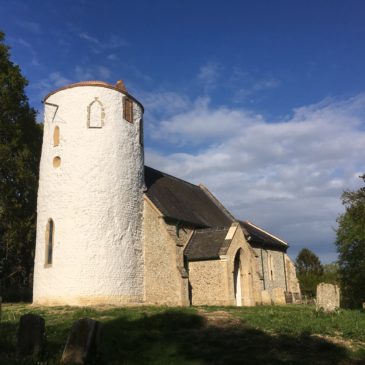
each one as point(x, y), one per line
point(237, 278)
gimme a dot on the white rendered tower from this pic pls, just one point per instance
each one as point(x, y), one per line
point(90, 197)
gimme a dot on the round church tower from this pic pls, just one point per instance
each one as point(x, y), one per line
point(90, 197)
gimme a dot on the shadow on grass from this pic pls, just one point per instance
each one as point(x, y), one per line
point(180, 338)
point(177, 337)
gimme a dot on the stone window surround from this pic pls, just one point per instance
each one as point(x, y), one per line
point(102, 114)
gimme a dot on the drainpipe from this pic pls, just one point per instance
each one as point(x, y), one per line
point(286, 284)
point(262, 267)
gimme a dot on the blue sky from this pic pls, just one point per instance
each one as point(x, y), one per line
point(262, 101)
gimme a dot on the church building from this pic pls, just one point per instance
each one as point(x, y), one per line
point(111, 230)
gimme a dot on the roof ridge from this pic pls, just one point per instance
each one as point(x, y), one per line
point(269, 234)
point(211, 229)
point(172, 176)
point(217, 202)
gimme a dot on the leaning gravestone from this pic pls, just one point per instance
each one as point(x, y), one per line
point(83, 343)
point(328, 297)
point(30, 335)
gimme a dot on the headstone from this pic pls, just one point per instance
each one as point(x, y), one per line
point(265, 297)
point(363, 305)
point(288, 297)
point(30, 335)
point(278, 296)
point(328, 297)
point(83, 343)
point(297, 298)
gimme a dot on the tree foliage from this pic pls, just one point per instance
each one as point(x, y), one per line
point(309, 271)
point(20, 146)
point(331, 273)
point(350, 242)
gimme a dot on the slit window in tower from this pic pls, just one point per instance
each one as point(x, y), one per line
point(141, 132)
point(128, 110)
point(49, 242)
point(56, 136)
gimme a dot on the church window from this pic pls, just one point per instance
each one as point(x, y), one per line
point(49, 242)
point(56, 136)
point(128, 110)
point(95, 114)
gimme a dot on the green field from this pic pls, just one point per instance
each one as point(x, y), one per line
point(200, 335)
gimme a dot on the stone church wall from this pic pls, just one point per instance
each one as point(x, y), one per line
point(209, 282)
point(212, 281)
point(163, 280)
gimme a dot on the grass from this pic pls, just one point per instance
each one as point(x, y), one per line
point(205, 335)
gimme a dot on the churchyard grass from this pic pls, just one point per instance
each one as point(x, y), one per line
point(292, 334)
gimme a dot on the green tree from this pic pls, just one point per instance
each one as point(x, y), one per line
point(309, 271)
point(350, 242)
point(20, 146)
point(331, 273)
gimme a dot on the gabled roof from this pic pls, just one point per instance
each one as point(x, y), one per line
point(183, 201)
point(205, 244)
point(257, 237)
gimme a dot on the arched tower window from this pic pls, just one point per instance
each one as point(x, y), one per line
point(95, 114)
point(56, 136)
point(49, 242)
point(128, 110)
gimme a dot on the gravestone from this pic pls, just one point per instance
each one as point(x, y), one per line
point(328, 297)
point(83, 343)
point(265, 297)
point(363, 305)
point(297, 298)
point(30, 335)
point(288, 297)
point(278, 296)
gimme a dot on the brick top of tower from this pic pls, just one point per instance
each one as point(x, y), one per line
point(119, 86)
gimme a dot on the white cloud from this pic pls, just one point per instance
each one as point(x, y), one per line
point(166, 102)
point(29, 48)
point(112, 57)
point(52, 81)
point(256, 87)
point(286, 176)
point(245, 85)
point(104, 72)
point(98, 45)
point(83, 73)
point(208, 75)
point(30, 26)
